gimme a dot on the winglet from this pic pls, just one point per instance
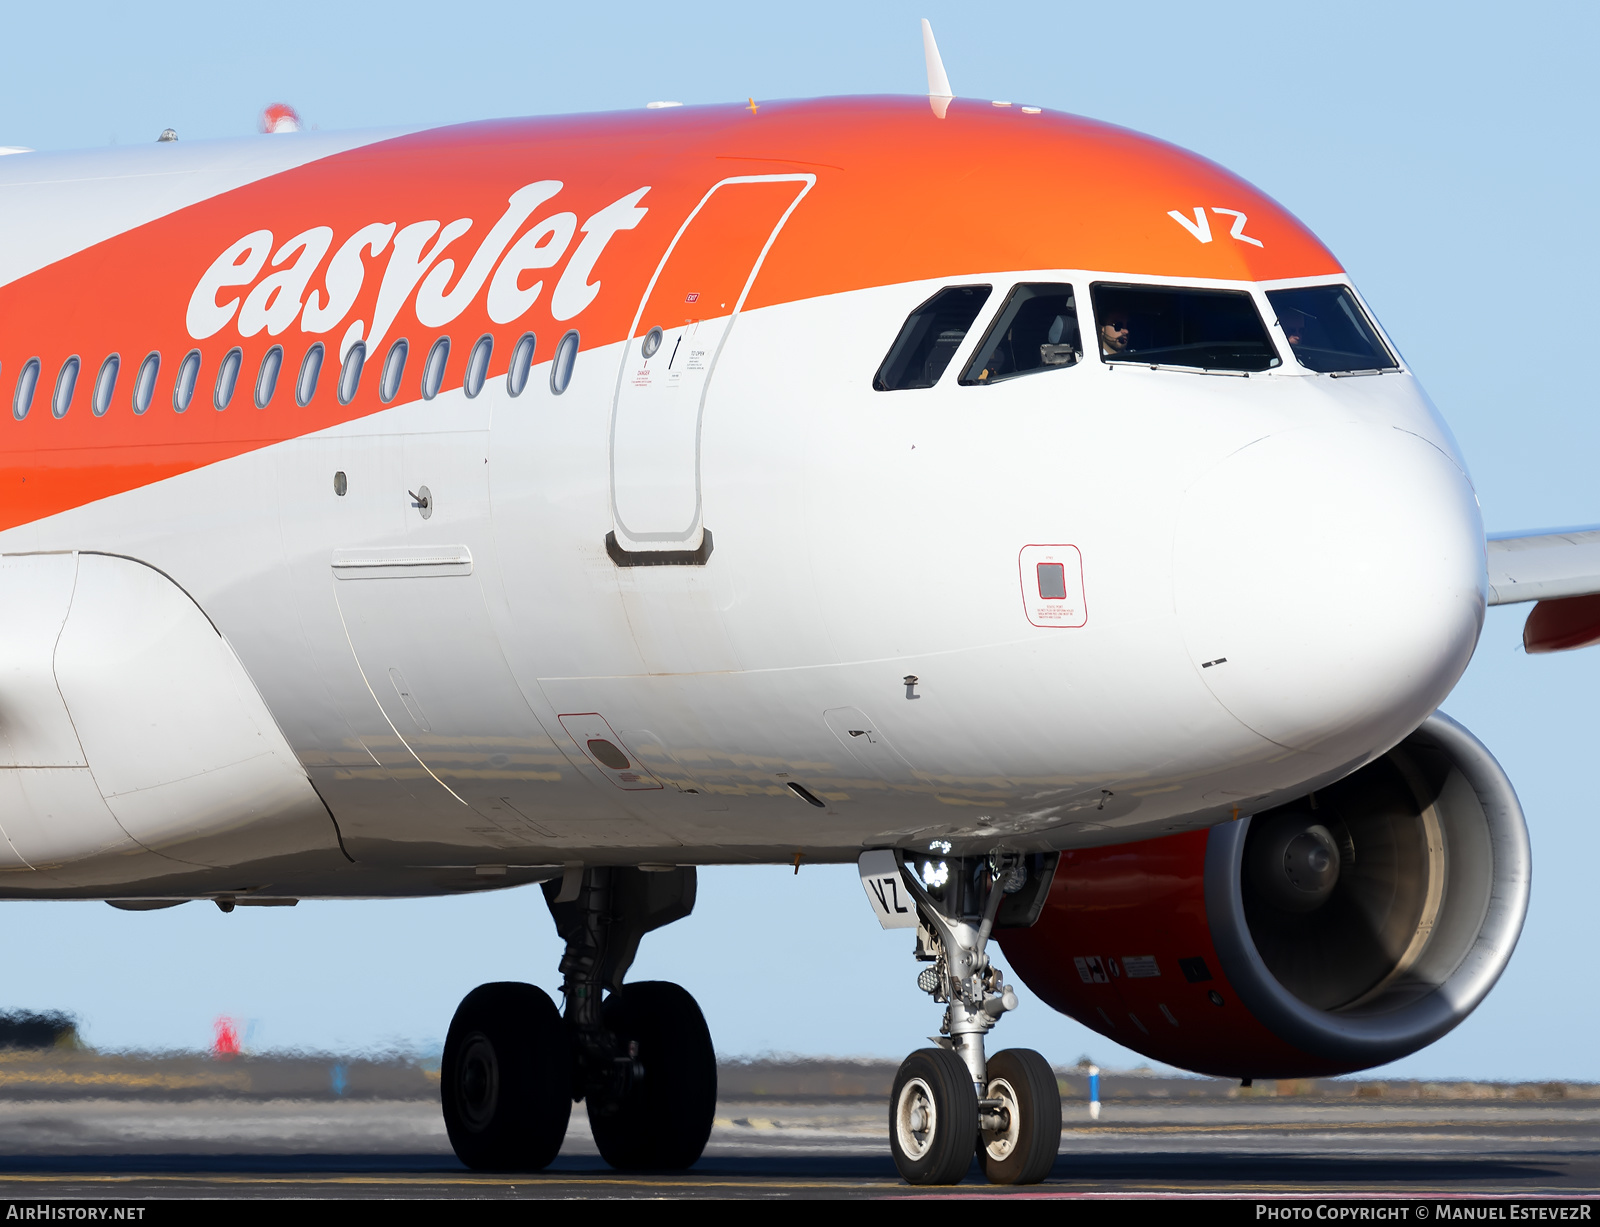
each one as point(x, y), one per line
point(939, 95)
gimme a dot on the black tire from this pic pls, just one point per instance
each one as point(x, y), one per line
point(933, 1118)
point(506, 1079)
point(1026, 1152)
point(664, 1121)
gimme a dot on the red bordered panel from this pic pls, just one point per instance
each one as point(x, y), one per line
point(602, 747)
point(1052, 586)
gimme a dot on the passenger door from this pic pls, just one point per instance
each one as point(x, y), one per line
point(684, 321)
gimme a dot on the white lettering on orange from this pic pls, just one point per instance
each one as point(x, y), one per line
point(416, 270)
point(408, 262)
point(1200, 227)
point(236, 266)
point(541, 247)
point(275, 302)
point(435, 306)
point(1239, 220)
point(573, 291)
point(345, 275)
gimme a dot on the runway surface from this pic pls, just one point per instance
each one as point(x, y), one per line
point(119, 1149)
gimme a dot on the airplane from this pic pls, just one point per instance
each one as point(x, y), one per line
point(1024, 509)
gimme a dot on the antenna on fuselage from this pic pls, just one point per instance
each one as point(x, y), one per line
point(939, 95)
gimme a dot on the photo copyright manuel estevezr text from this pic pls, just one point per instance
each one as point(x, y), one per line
point(1425, 1211)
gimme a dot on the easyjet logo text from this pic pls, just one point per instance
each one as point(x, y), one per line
point(420, 269)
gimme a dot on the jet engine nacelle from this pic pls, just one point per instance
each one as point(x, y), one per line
point(1338, 932)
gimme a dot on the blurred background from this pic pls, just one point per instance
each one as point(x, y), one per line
point(1445, 152)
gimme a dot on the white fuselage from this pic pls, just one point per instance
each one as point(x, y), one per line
point(438, 677)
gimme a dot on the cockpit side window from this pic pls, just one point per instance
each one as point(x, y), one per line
point(929, 339)
point(1214, 330)
point(1037, 330)
point(1328, 330)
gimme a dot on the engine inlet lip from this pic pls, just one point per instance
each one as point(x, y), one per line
point(1366, 1039)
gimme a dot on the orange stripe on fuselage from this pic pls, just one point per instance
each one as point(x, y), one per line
point(901, 196)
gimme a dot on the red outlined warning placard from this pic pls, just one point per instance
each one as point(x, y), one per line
point(1052, 585)
point(605, 750)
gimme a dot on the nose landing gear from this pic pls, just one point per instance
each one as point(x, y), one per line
point(950, 1100)
point(641, 1058)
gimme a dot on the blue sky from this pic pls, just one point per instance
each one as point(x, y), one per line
point(1443, 151)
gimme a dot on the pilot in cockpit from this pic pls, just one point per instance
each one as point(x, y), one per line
point(1293, 324)
point(1114, 333)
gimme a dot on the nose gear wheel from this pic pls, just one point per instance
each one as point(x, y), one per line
point(1024, 1148)
point(933, 1118)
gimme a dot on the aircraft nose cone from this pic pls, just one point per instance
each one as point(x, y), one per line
point(1330, 584)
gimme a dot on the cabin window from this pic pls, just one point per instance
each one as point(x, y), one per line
point(929, 339)
point(394, 366)
point(1037, 330)
point(478, 366)
point(521, 363)
point(27, 381)
point(267, 377)
point(144, 383)
point(1328, 331)
point(1155, 325)
point(566, 357)
point(227, 378)
point(305, 387)
point(105, 384)
point(433, 369)
point(66, 384)
point(350, 373)
point(188, 377)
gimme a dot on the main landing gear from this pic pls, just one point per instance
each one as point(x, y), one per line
point(640, 1058)
point(950, 1100)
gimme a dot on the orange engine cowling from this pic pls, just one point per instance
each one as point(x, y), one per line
point(1338, 932)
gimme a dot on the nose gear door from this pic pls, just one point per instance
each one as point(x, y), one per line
point(683, 323)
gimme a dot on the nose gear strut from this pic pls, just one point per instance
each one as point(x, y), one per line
point(962, 977)
point(947, 1100)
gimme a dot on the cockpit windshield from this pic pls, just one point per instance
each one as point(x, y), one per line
point(1037, 330)
point(1328, 330)
point(929, 339)
point(1215, 330)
